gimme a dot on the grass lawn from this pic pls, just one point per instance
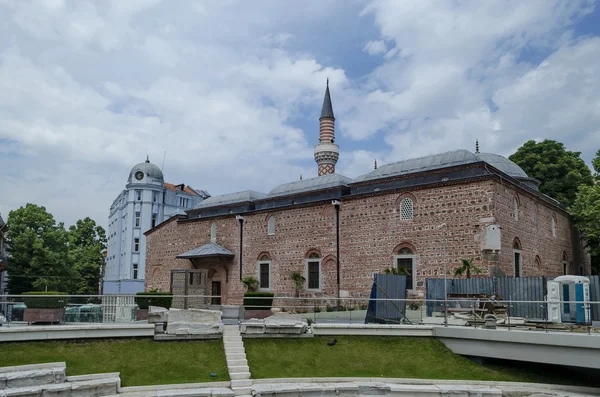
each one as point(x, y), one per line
point(140, 362)
point(390, 357)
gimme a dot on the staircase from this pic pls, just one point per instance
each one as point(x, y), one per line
point(237, 365)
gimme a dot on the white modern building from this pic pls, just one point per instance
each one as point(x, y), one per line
point(146, 201)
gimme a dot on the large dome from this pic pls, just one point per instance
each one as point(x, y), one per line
point(503, 164)
point(150, 171)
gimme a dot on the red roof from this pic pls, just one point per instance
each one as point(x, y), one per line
point(180, 187)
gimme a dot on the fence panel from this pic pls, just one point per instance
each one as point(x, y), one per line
point(507, 288)
point(595, 297)
point(387, 286)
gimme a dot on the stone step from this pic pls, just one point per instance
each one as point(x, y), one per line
point(230, 347)
point(238, 368)
point(235, 356)
point(234, 350)
point(95, 387)
point(237, 362)
point(241, 383)
point(242, 391)
point(229, 339)
point(239, 375)
point(32, 375)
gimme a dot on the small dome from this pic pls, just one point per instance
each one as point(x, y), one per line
point(150, 171)
point(503, 164)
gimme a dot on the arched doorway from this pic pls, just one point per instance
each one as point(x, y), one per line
point(405, 261)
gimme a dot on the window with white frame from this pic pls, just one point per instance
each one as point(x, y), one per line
point(154, 197)
point(264, 272)
point(213, 232)
point(515, 209)
point(406, 209)
point(135, 271)
point(405, 264)
point(183, 202)
point(154, 220)
point(136, 245)
point(553, 226)
point(518, 259)
point(137, 219)
point(313, 272)
point(271, 226)
point(138, 195)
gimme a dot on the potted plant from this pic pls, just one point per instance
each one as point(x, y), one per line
point(46, 307)
point(257, 304)
point(151, 298)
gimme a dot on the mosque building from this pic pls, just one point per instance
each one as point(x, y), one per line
point(338, 231)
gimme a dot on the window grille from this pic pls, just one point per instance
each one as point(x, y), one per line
point(406, 209)
point(516, 209)
point(213, 232)
point(553, 226)
point(271, 226)
point(313, 275)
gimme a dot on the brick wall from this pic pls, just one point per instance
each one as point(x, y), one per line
point(371, 233)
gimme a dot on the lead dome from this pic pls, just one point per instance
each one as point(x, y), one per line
point(150, 171)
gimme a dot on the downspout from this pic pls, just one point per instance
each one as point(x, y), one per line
point(336, 204)
point(240, 218)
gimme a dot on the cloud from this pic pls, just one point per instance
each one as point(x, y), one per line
point(231, 90)
point(375, 47)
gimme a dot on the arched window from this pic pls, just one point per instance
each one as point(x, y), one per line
point(271, 226)
point(515, 208)
point(553, 225)
point(518, 259)
point(405, 262)
point(565, 263)
point(313, 272)
point(406, 209)
point(213, 232)
point(535, 213)
point(538, 263)
point(264, 272)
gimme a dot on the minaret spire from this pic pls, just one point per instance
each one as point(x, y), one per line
point(375, 167)
point(147, 158)
point(327, 152)
point(476, 146)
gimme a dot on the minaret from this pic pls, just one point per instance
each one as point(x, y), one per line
point(327, 152)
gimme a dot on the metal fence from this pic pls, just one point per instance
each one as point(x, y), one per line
point(595, 297)
point(507, 289)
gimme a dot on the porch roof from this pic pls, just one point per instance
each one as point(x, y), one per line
point(207, 250)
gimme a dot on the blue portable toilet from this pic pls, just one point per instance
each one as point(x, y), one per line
point(575, 296)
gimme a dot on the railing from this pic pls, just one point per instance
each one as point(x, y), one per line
point(469, 312)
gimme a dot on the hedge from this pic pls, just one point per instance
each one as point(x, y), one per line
point(45, 302)
point(258, 304)
point(147, 299)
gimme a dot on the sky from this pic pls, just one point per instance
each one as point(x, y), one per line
point(225, 95)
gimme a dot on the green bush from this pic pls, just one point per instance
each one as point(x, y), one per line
point(48, 301)
point(154, 298)
point(258, 304)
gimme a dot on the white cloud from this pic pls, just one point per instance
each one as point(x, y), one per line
point(375, 47)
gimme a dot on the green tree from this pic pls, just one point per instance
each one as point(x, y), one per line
point(299, 280)
point(38, 247)
point(560, 171)
point(467, 266)
point(586, 214)
point(86, 243)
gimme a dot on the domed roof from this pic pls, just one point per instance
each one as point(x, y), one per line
point(150, 170)
point(503, 164)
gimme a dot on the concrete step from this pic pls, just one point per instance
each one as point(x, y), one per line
point(233, 350)
point(242, 391)
point(95, 387)
point(237, 362)
point(238, 368)
point(230, 339)
point(239, 375)
point(235, 356)
point(241, 383)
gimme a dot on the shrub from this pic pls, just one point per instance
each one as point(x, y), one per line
point(46, 302)
point(329, 308)
point(154, 298)
point(252, 300)
point(251, 284)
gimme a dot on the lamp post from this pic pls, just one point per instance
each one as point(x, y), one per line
point(336, 204)
point(240, 219)
point(445, 226)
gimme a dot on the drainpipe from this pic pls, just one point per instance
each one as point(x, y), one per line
point(240, 218)
point(337, 204)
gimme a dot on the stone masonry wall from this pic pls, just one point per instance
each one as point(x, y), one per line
point(533, 232)
point(371, 233)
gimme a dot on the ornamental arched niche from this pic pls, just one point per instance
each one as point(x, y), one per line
point(403, 248)
point(262, 255)
point(405, 205)
point(313, 253)
point(329, 274)
point(516, 244)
